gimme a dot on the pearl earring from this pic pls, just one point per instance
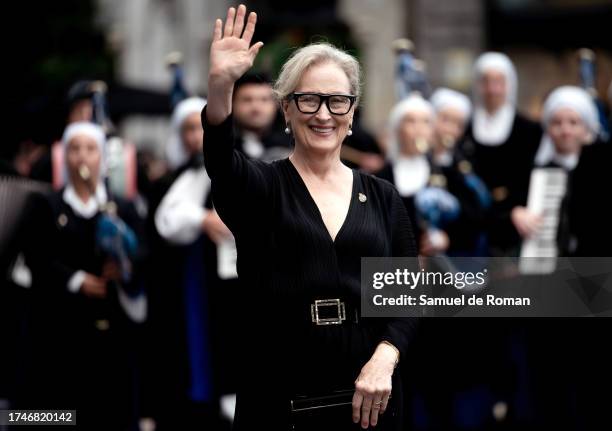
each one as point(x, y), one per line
point(350, 131)
point(287, 130)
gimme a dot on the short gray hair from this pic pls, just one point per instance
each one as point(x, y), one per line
point(313, 54)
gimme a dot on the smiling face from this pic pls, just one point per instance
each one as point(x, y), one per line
point(567, 131)
point(321, 132)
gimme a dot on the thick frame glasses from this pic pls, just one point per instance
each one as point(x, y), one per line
point(310, 103)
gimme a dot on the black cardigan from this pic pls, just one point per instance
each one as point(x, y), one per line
point(286, 260)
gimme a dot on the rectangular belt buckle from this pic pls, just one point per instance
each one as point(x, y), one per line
point(314, 312)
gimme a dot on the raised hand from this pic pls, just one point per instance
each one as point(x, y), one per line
point(231, 55)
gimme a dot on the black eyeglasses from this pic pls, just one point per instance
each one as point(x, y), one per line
point(310, 103)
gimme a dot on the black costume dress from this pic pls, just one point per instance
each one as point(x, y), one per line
point(572, 385)
point(588, 209)
point(83, 351)
point(286, 260)
point(464, 232)
point(505, 169)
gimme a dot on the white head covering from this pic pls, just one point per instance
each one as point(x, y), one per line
point(445, 98)
point(88, 129)
point(500, 63)
point(84, 128)
point(175, 150)
point(576, 99)
point(494, 129)
point(412, 103)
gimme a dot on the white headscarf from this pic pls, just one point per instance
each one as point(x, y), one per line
point(576, 99)
point(579, 101)
point(445, 98)
point(500, 63)
point(410, 173)
point(91, 130)
point(175, 150)
point(412, 103)
point(494, 129)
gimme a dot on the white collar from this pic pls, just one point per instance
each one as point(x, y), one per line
point(444, 159)
point(252, 145)
point(493, 130)
point(85, 209)
point(411, 174)
point(547, 153)
point(566, 161)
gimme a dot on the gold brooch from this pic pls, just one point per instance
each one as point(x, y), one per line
point(62, 220)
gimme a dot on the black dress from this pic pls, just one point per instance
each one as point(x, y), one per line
point(464, 232)
point(588, 209)
point(571, 385)
point(83, 351)
point(505, 169)
point(286, 260)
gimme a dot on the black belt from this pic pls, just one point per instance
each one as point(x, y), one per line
point(332, 312)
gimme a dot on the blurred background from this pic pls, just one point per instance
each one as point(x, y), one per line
point(125, 44)
point(150, 54)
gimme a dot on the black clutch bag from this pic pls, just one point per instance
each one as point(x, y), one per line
point(326, 412)
point(333, 410)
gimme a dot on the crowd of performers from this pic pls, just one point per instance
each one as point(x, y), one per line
point(122, 298)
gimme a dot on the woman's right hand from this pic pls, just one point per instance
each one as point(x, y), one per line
point(93, 286)
point(231, 55)
point(434, 241)
point(214, 227)
point(525, 222)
